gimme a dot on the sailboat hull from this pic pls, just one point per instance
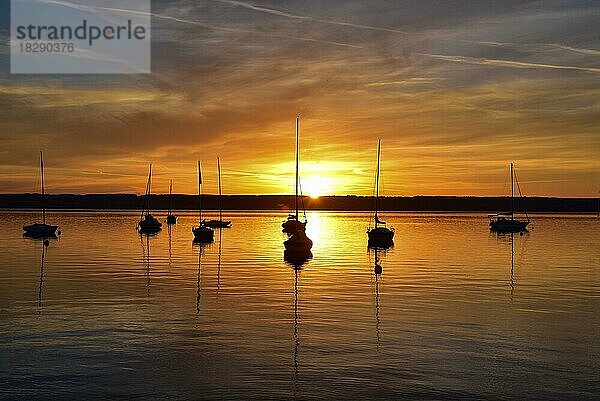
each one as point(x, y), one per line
point(298, 243)
point(508, 225)
point(381, 236)
point(292, 226)
point(217, 223)
point(203, 234)
point(297, 259)
point(40, 230)
point(149, 224)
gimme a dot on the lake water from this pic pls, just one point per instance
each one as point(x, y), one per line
point(457, 313)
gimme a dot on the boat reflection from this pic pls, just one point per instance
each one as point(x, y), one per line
point(41, 286)
point(170, 232)
point(201, 246)
point(510, 236)
point(145, 242)
point(297, 259)
point(40, 237)
point(296, 334)
point(377, 271)
point(219, 261)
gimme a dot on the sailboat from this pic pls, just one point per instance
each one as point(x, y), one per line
point(171, 218)
point(218, 223)
point(298, 243)
point(148, 224)
point(41, 230)
point(380, 235)
point(202, 233)
point(506, 222)
point(293, 223)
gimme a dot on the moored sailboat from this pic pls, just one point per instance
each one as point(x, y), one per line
point(171, 218)
point(298, 242)
point(380, 235)
point(506, 222)
point(202, 233)
point(148, 224)
point(41, 230)
point(293, 222)
point(218, 223)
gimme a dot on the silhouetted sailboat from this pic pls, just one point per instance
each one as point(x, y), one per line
point(298, 242)
point(380, 235)
point(506, 222)
point(41, 230)
point(218, 223)
point(202, 233)
point(293, 223)
point(148, 224)
point(171, 218)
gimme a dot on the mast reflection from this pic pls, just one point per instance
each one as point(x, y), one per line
point(297, 260)
point(201, 246)
point(146, 257)
point(377, 271)
point(41, 286)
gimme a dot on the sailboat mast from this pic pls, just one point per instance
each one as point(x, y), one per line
point(297, 162)
point(148, 189)
point(199, 192)
point(43, 190)
point(377, 181)
point(220, 208)
point(170, 195)
point(512, 193)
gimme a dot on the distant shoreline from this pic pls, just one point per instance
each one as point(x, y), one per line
point(349, 203)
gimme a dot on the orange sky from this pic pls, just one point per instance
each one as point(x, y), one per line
point(455, 93)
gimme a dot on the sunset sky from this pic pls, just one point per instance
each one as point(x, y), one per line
point(455, 90)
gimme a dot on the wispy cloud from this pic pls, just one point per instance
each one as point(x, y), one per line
point(197, 23)
point(307, 17)
point(506, 63)
point(528, 46)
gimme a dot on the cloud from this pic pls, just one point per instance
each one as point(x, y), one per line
point(228, 80)
point(306, 17)
point(507, 63)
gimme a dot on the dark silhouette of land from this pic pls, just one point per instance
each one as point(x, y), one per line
point(286, 202)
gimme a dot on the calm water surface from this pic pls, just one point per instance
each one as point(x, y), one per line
point(458, 312)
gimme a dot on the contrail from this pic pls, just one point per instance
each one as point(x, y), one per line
point(306, 17)
point(506, 63)
point(382, 29)
point(196, 23)
point(592, 52)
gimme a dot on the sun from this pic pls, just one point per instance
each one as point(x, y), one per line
point(315, 186)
